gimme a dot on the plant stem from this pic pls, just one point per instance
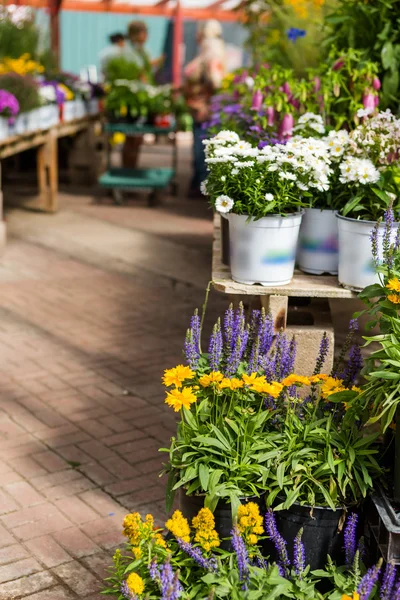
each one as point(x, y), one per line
point(203, 312)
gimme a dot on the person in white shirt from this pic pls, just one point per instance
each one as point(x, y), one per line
point(115, 48)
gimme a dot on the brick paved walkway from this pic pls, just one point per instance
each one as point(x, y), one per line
point(88, 321)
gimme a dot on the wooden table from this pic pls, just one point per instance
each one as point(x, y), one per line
point(46, 143)
point(275, 300)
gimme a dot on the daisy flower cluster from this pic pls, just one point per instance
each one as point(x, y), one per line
point(309, 124)
point(378, 138)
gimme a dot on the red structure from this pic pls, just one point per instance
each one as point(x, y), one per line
point(178, 10)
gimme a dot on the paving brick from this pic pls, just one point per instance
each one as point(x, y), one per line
point(18, 569)
point(24, 493)
point(50, 461)
point(76, 510)
point(79, 579)
point(7, 504)
point(27, 466)
point(97, 473)
point(96, 450)
point(6, 539)
point(101, 502)
point(76, 542)
point(119, 467)
point(12, 553)
point(52, 479)
point(47, 551)
point(27, 585)
point(95, 428)
point(56, 593)
point(74, 487)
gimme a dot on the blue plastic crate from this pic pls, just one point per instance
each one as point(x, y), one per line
point(150, 179)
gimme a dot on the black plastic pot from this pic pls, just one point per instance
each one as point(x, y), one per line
point(322, 533)
point(225, 251)
point(190, 506)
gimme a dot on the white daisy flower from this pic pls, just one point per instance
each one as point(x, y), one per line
point(269, 197)
point(203, 188)
point(224, 204)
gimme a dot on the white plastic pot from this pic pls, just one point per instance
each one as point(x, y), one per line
point(356, 264)
point(93, 106)
point(4, 134)
point(263, 251)
point(69, 110)
point(80, 108)
point(318, 242)
point(48, 116)
point(20, 124)
point(33, 122)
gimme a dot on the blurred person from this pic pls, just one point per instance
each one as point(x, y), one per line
point(203, 77)
point(136, 52)
point(114, 49)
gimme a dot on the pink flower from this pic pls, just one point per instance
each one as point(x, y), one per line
point(286, 127)
point(270, 111)
point(376, 84)
point(257, 100)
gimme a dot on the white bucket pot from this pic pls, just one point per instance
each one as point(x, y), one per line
point(263, 251)
point(318, 242)
point(69, 111)
point(356, 264)
point(93, 106)
point(80, 108)
point(3, 128)
point(21, 124)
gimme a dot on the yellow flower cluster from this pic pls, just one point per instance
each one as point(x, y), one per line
point(250, 522)
point(394, 286)
point(227, 80)
point(137, 530)
point(303, 7)
point(355, 596)
point(177, 398)
point(135, 584)
point(213, 377)
point(23, 65)
point(177, 376)
point(204, 525)
point(179, 526)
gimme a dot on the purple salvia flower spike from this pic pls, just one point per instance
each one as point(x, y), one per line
point(154, 571)
point(387, 587)
point(171, 589)
point(299, 555)
point(278, 541)
point(209, 564)
point(387, 235)
point(241, 554)
point(254, 363)
point(215, 347)
point(266, 332)
point(228, 329)
point(374, 244)
point(396, 593)
point(350, 539)
point(353, 367)
point(192, 341)
point(368, 581)
point(322, 354)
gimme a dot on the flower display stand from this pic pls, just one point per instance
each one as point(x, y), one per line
point(307, 323)
point(45, 141)
point(126, 179)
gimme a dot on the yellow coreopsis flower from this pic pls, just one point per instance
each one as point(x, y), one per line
point(331, 386)
point(318, 378)
point(179, 526)
point(250, 379)
point(295, 379)
point(213, 377)
point(355, 596)
point(393, 284)
point(394, 299)
point(177, 399)
point(67, 92)
point(177, 375)
point(231, 384)
point(258, 384)
point(135, 584)
point(273, 389)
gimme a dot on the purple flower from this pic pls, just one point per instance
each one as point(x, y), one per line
point(9, 105)
point(350, 539)
point(266, 332)
point(322, 354)
point(126, 592)
point(387, 586)
point(278, 541)
point(353, 367)
point(192, 341)
point(299, 555)
point(374, 244)
point(154, 571)
point(210, 564)
point(215, 347)
point(241, 554)
point(228, 328)
point(171, 588)
point(367, 582)
point(387, 234)
point(396, 594)
point(294, 33)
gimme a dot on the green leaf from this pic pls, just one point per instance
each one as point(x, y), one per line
point(169, 492)
point(204, 476)
point(190, 419)
point(280, 473)
point(387, 55)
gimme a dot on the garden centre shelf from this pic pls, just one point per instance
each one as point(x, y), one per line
point(317, 288)
point(125, 179)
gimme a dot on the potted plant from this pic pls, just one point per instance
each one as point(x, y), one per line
point(220, 454)
point(368, 184)
point(9, 108)
point(263, 192)
point(25, 90)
